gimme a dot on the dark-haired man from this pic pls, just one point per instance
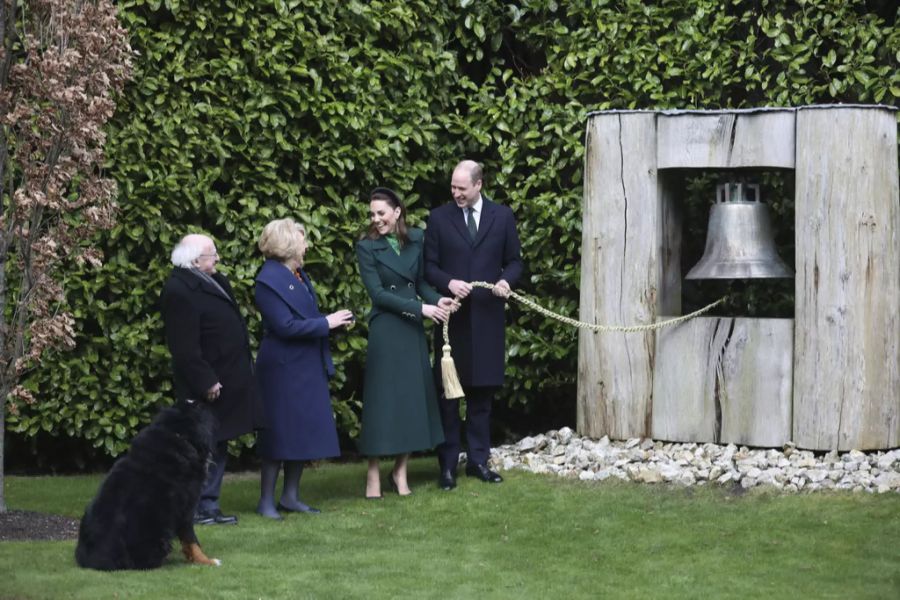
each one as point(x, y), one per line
point(472, 239)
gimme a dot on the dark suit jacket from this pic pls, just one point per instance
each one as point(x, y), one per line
point(207, 337)
point(477, 332)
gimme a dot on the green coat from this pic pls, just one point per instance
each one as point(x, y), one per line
point(400, 412)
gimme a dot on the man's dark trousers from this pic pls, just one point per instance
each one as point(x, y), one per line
point(212, 487)
point(478, 427)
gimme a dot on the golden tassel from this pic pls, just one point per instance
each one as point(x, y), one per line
point(452, 387)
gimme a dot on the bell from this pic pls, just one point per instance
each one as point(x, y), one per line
point(739, 241)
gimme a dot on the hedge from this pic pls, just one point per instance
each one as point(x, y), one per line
point(243, 111)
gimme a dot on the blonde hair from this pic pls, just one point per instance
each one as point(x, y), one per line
point(279, 240)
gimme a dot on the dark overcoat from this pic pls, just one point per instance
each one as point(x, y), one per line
point(293, 367)
point(477, 332)
point(400, 412)
point(207, 337)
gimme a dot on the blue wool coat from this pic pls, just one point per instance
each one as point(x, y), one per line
point(293, 367)
point(477, 329)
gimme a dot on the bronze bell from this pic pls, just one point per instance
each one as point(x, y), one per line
point(739, 240)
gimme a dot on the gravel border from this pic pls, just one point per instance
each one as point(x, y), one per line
point(789, 469)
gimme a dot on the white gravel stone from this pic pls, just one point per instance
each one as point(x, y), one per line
point(816, 475)
point(526, 444)
point(648, 475)
point(886, 461)
point(567, 454)
point(890, 479)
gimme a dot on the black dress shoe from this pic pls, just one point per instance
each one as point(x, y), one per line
point(483, 473)
point(204, 519)
point(214, 517)
point(301, 509)
point(447, 480)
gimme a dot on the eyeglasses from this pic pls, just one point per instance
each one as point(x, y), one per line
point(214, 255)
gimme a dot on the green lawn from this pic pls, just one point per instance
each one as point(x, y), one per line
point(530, 537)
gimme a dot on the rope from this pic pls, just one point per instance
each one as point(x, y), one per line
point(591, 326)
point(452, 387)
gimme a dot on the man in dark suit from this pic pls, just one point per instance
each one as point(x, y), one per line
point(472, 239)
point(211, 359)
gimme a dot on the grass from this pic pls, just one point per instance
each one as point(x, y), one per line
point(531, 537)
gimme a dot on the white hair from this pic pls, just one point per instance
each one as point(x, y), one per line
point(188, 250)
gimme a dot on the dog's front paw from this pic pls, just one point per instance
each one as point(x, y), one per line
point(194, 554)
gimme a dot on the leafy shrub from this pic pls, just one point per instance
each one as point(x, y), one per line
point(241, 112)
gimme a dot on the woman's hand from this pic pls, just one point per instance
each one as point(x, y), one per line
point(438, 314)
point(449, 303)
point(339, 318)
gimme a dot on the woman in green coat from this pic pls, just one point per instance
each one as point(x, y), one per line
point(400, 412)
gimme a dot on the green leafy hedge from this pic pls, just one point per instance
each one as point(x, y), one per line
point(243, 111)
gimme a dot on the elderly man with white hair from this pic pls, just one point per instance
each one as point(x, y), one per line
point(211, 358)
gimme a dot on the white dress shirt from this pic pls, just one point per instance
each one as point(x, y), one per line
point(477, 214)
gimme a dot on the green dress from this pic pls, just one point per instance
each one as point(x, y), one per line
point(400, 412)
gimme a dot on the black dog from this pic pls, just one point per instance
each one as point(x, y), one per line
point(150, 494)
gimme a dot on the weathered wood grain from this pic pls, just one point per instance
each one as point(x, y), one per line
point(756, 382)
point(620, 274)
point(727, 140)
point(847, 360)
point(724, 380)
point(684, 384)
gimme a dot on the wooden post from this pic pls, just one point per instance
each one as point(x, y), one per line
point(620, 274)
point(847, 360)
point(724, 380)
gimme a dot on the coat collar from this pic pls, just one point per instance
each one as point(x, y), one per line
point(194, 282)
point(404, 264)
point(284, 283)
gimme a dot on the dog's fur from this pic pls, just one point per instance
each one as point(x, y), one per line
point(150, 494)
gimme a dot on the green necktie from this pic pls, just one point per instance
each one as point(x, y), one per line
point(470, 222)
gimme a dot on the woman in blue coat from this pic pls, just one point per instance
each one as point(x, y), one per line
point(400, 413)
point(293, 367)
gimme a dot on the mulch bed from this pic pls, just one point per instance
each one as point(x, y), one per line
point(25, 525)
